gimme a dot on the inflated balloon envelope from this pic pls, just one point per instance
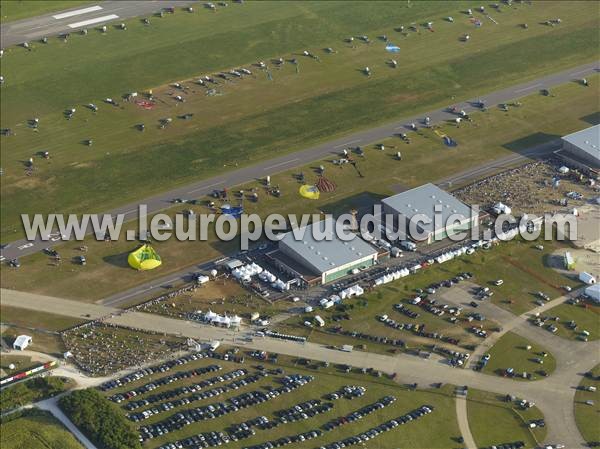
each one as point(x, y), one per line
point(144, 258)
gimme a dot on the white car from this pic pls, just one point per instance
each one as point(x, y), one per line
point(498, 282)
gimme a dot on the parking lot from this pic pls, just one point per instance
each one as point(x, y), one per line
point(206, 399)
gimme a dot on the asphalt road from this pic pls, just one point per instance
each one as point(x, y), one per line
point(262, 169)
point(554, 395)
point(74, 19)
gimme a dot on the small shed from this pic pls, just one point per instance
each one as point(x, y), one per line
point(21, 342)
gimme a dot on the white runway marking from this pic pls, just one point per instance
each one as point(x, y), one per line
point(77, 12)
point(280, 164)
point(92, 21)
point(528, 88)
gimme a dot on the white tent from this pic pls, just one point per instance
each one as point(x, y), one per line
point(593, 292)
point(587, 278)
point(201, 279)
point(21, 342)
point(210, 315)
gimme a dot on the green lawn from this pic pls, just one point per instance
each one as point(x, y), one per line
point(36, 319)
point(21, 362)
point(511, 352)
point(493, 421)
point(295, 109)
point(585, 316)
point(36, 430)
point(525, 271)
point(42, 341)
point(21, 9)
point(426, 159)
point(586, 415)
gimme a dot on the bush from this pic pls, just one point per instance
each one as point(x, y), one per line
point(32, 390)
point(100, 420)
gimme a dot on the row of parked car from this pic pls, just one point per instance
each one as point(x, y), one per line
point(187, 389)
point(381, 428)
point(231, 405)
point(374, 338)
point(417, 329)
point(284, 441)
point(455, 358)
point(513, 445)
point(360, 413)
point(347, 392)
point(161, 368)
point(401, 308)
point(198, 396)
point(151, 386)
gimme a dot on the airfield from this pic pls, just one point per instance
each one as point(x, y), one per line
point(187, 107)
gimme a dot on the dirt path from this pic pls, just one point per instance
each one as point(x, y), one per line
point(463, 422)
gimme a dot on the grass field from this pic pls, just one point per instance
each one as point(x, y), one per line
point(21, 9)
point(36, 319)
point(511, 352)
point(437, 430)
point(493, 134)
point(42, 341)
point(37, 430)
point(586, 317)
point(493, 421)
point(586, 415)
point(485, 265)
point(295, 109)
point(21, 362)
point(223, 296)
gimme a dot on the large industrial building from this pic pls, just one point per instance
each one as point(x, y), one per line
point(583, 147)
point(322, 261)
point(426, 201)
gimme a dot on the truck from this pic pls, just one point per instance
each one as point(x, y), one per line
point(320, 321)
point(408, 246)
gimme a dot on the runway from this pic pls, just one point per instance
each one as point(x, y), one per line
point(95, 14)
point(288, 161)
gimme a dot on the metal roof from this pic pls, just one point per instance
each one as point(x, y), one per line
point(423, 200)
point(326, 255)
point(587, 140)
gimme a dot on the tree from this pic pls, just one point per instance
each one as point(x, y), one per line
point(100, 420)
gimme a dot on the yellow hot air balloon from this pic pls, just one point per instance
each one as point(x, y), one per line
point(144, 258)
point(310, 192)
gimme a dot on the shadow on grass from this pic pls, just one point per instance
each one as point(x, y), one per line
point(526, 143)
point(592, 119)
point(119, 260)
point(362, 202)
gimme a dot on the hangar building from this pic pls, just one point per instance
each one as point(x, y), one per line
point(583, 147)
point(424, 201)
point(322, 261)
